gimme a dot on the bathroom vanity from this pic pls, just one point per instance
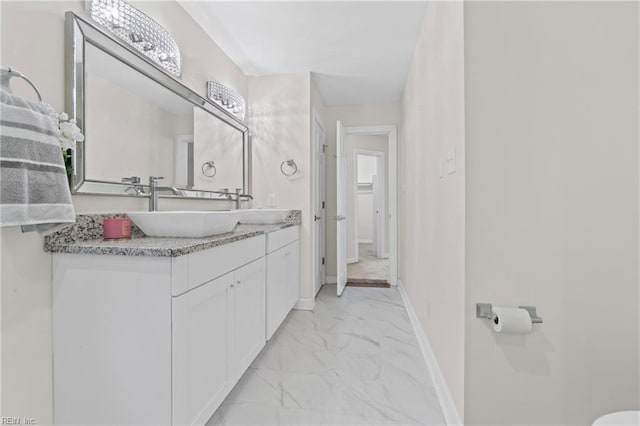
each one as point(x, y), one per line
point(159, 330)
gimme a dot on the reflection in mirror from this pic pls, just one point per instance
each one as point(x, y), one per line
point(132, 122)
point(135, 125)
point(218, 143)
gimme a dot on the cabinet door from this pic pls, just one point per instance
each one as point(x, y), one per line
point(292, 265)
point(276, 291)
point(201, 340)
point(283, 281)
point(248, 315)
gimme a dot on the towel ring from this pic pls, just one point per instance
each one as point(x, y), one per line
point(290, 163)
point(209, 169)
point(7, 73)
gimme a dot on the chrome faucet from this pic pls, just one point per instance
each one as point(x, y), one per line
point(240, 196)
point(153, 192)
point(135, 185)
point(154, 189)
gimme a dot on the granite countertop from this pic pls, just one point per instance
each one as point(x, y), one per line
point(85, 237)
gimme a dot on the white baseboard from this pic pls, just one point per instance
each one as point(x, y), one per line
point(352, 260)
point(449, 409)
point(305, 304)
point(331, 279)
point(365, 241)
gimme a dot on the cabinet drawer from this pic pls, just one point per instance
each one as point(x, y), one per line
point(281, 238)
point(197, 268)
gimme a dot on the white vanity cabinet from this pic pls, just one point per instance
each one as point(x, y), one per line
point(155, 340)
point(283, 276)
point(218, 329)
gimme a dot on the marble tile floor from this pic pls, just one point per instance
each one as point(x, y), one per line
point(368, 265)
point(354, 360)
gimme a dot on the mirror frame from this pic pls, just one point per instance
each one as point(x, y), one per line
point(79, 33)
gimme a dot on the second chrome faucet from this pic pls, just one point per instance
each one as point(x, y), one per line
point(240, 196)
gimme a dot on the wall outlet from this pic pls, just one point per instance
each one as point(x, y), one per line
point(271, 200)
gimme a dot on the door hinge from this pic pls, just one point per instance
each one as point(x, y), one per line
point(323, 260)
point(323, 204)
point(324, 148)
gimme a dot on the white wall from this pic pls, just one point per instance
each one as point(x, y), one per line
point(349, 115)
point(552, 208)
point(280, 126)
point(431, 209)
point(32, 36)
point(367, 167)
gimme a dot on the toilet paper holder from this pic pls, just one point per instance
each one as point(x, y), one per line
point(485, 310)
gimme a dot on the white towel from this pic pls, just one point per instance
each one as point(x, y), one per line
point(33, 179)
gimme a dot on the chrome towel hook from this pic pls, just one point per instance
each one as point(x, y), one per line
point(292, 165)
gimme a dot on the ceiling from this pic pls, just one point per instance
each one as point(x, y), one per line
point(359, 52)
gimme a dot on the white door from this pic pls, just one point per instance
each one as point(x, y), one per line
point(318, 214)
point(380, 218)
point(341, 208)
point(375, 212)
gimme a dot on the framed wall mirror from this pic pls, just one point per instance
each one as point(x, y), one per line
point(139, 121)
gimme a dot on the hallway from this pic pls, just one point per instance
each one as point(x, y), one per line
point(352, 360)
point(368, 267)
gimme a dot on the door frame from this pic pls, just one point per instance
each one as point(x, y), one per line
point(391, 131)
point(379, 225)
point(319, 186)
point(183, 176)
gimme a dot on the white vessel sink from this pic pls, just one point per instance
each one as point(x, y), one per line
point(194, 224)
point(262, 216)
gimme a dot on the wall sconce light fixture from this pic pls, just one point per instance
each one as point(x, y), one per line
point(226, 98)
point(139, 31)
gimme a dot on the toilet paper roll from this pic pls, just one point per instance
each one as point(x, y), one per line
point(511, 320)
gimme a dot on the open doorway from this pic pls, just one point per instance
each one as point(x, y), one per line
point(367, 212)
point(366, 208)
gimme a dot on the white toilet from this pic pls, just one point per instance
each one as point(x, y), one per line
point(619, 418)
